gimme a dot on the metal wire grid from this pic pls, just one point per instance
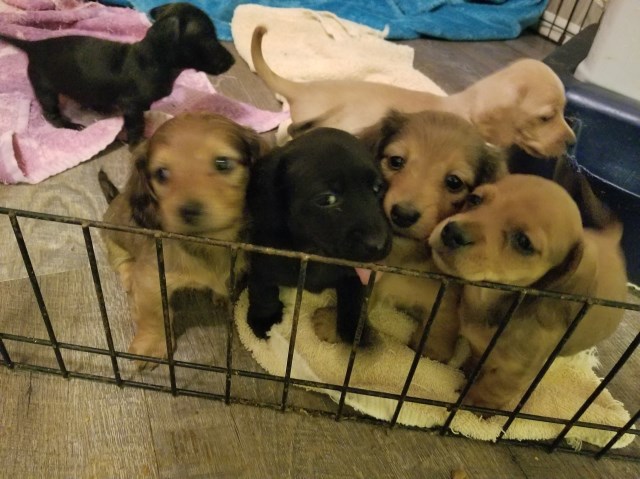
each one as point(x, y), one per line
point(565, 18)
point(229, 371)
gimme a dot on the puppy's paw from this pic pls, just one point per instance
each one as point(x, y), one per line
point(324, 324)
point(148, 345)
point(261, 325)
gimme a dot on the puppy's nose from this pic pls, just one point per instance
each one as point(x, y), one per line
point(404, 215)
point(453, 236)
point(376, 247)
point(190, 212)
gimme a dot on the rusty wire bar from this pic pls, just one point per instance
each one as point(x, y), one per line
point(418, 355)
point(302, 276)
point(5, 355)
point(233, 256)
point(618, 435)
point(474, 374)
point(603, 384)
point(37, 292)
point(554, 354)
point(364, 307)
point(101, 304)
point(168, 327)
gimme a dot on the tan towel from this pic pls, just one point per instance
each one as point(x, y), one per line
point(384, 366)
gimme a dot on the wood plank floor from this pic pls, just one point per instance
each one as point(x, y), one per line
point(56, 428)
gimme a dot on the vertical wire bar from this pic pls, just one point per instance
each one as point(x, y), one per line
point(586, 14)
point(233, 255)
point(5, 354)
point(618, 435)
point(416, 358)
point(168, 328)
point(556, 351)
point(100, 297)
point(474, 374)
point(302, 275)
point(38, 293)
point(566, 28)
point(356, 341)
point(603, 384)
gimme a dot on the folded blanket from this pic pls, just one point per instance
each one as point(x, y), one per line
point(384, 365)
point(405, 19)
point(30, 148)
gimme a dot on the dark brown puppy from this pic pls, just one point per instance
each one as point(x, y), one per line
point(322, 194)
point(106, 75)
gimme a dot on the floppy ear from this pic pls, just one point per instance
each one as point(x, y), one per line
point(377, 137)
point(142, 199)
point(495, 113)
point(253, 145)
point(492, 165)
point(570, 274)
point(164, 34)
point(267, 197)
point(158, 12)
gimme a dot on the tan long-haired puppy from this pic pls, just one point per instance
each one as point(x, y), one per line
point(190, 177)
point(527, 231)
point(431, 161)
point(521, 104)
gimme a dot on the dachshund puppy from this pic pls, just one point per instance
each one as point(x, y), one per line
point(106, 75)
point(190, 177)
point(527, 231)
point(431, 161)
point(321, 194)
point(521, 104)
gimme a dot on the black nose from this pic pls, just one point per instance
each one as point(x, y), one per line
point(376, 247)
point(453, 236)
point(404, 215)
point(190, 212)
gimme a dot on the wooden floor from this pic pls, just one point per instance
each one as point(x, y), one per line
point(56, 428)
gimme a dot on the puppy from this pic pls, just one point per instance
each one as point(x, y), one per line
point(431, 161)
point(321, 194)
point(190, 177)
point(521, 104)
point(106, 75)
point(527, 231)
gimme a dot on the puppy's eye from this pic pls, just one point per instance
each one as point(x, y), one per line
point(396, 162)
point(326, 200)
point(222, 163)
point(453, 183)
point(545, 118)
point(522, 243)
point(162, 175)
point(474, 200)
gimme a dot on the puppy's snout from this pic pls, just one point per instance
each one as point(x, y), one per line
point(376, 247)
point(190, 212)
point(404, 215)
point(453, 236)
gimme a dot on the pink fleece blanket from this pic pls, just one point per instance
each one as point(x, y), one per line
point(30, 148)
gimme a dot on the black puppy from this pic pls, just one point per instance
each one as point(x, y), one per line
point(106, 75)
point(321, 194)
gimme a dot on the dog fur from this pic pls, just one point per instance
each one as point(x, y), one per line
point(320, 194)
point(527, 231)
point(190, 177)
point(521, 104)
point(107, 75)
point(431, 161)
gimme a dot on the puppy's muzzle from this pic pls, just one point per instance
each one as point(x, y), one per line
point(191, 212)
point(371, 247)
point(453, 236)
point(404, 215)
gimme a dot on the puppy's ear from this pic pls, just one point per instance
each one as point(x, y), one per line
point(564, 277)
point(164, 34)
point(491, 166)
point(377, 137)
point(253, 145)
point(142, 199)
point(158, 12)
point(496, 113)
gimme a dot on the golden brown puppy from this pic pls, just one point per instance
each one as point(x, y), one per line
point(527, 231)
point(521, 104)
point(190, 177)
point(431, 161)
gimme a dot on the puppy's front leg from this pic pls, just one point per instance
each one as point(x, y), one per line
point(265, 307)
point(350, 292)
point(134, 123)
point(48, 98)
